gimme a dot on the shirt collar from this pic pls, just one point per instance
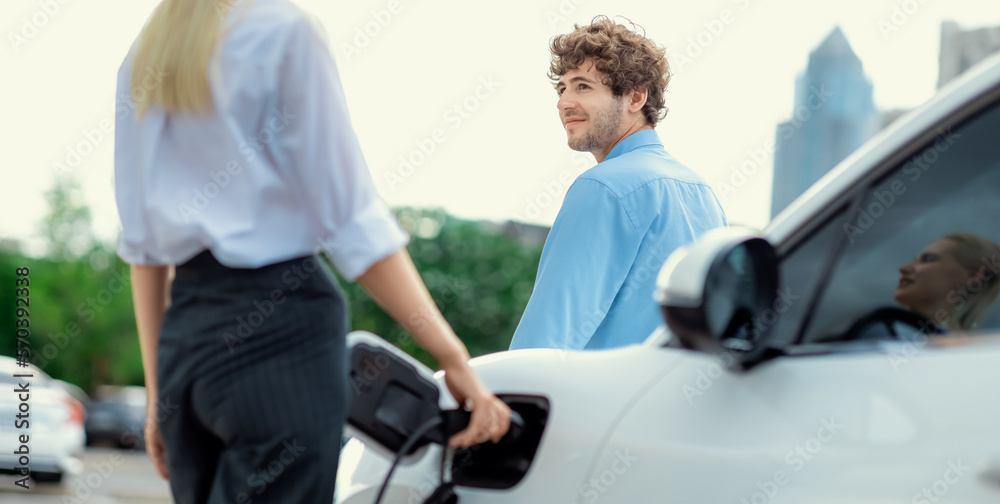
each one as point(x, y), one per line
point(634, 141)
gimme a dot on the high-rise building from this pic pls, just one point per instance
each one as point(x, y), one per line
point(833, 115)
point(960, 49)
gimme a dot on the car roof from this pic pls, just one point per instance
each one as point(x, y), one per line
point(800, 215)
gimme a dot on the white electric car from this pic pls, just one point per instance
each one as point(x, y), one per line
point(786, 371)
point(50, 417)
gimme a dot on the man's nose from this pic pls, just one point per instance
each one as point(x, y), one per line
point(565, 102)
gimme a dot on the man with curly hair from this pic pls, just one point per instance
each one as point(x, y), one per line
point(622, 218)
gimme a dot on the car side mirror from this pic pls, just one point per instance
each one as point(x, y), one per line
point(713, 290)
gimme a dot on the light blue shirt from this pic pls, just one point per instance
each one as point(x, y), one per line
point(619, 222)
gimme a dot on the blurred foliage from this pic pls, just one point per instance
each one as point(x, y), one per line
point(83, 327)
point(66, 227)
point(480, 278)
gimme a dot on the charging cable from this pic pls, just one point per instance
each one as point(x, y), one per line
point(424, 428)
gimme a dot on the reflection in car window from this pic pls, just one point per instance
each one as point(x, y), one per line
point(949, 282)
point(938, 209)
point(799, 274)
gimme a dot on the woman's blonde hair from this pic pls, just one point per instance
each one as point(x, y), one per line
point(974, 253)
point(177, 43)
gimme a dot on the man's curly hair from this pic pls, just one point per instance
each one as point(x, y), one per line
point(629, 59)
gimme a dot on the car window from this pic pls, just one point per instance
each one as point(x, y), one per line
point(800, 271)
point(922, 240)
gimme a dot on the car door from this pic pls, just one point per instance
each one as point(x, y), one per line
point(863, 406)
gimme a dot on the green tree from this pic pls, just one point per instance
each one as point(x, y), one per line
point(81, 322)
point(480, 278)
point(67, 226)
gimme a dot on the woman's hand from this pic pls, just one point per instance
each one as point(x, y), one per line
point(395, 284)
point(490, 416)
point(154, 444)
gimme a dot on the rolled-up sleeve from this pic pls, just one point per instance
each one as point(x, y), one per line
point(319, 147)
point(587, 255)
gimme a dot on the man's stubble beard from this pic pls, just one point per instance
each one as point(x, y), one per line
point(606, 124)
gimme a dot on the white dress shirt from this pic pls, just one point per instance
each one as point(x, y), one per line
point(273, 172)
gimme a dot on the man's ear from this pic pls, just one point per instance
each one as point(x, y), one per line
point(637, 99)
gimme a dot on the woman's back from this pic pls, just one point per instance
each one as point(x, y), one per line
point(272, 172)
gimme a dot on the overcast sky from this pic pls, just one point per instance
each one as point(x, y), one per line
point(407, 65)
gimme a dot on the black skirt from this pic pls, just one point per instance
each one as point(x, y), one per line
point(252, 382)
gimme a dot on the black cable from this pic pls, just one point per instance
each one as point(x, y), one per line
point(424, 428)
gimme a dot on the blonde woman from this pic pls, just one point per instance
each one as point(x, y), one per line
point(951, 281)
point(234, 160)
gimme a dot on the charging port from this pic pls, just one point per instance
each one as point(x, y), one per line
point(503, 465)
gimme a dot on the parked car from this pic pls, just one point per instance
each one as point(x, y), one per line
point(787, 371)
point(116, 416)
point(55, 424)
